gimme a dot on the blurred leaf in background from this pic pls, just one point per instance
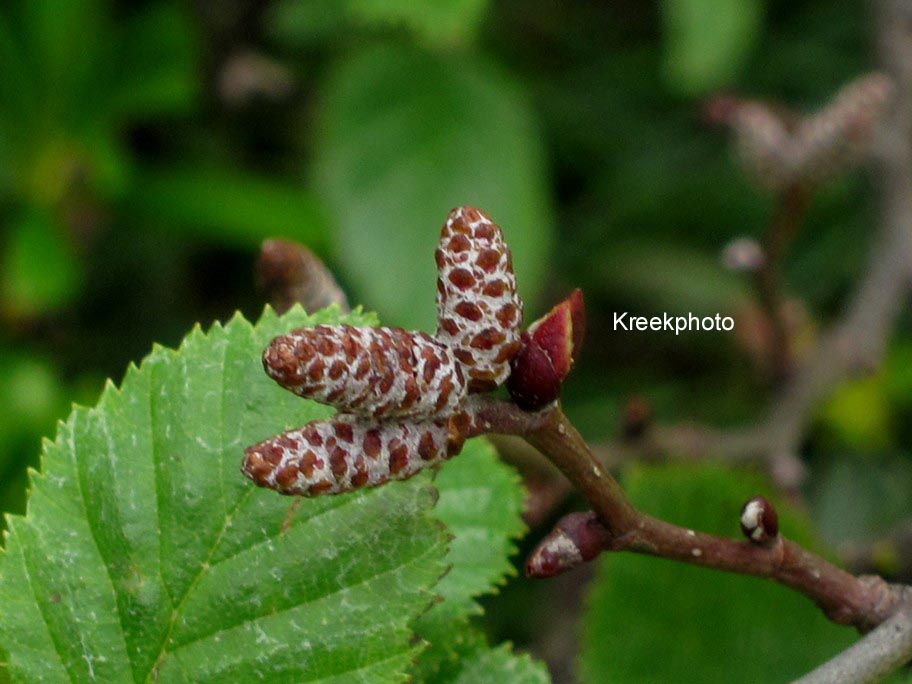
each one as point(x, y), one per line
point(33, 397)
point(231, 207)
point(72, 79)
point(38, 271)
point(707, 42)
point(439, 22)
point(405, 135)
point(652, 620)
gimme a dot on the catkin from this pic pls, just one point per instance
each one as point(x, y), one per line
point(376, 372)
point(817, 147)
point(351, 452)
point(479, 313)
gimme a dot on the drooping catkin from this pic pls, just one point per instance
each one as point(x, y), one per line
point(777, 153)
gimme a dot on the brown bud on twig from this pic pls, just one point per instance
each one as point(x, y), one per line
point(759, 521)
point(479, 313)
point(288, 273)
point(577, 538)
point(248, 75)
point(743, 254)
point(376, 372)
point(636, 418)
point(550, 346)
point(351, 452)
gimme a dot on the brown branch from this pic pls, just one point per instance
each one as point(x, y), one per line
point(791, 205)
point(860, 601)
point(880, 652)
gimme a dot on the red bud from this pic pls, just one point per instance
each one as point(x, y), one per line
point(550, 346)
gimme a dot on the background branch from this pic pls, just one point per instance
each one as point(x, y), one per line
point(890, 645)
point(877, 654)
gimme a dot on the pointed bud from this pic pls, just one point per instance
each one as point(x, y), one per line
point(759, 521)
point(636, 418)
point(550, 346)
point(577, 538)
point(288, 273)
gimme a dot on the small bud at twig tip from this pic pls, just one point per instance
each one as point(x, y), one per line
point(744, 255)
point(636, 419)
point(759, 521)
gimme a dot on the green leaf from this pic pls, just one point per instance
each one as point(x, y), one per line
point(298, 24)
point(438, 22)
point(499, 666)
point(145, 555)
point(39, 270)
point(467, 658)
point(862, 497)
point(30, 392)
point(708, 41)
point(232, 207)
point(480, 503)
point(663, 277)
point(46, 30)
point(859, 414)
point(158, 53)
point(652, 620)
point(403, 137)
point(17, 97)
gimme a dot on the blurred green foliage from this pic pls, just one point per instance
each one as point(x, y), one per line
point(744, 629)
point(403, 132)
point(142, 159)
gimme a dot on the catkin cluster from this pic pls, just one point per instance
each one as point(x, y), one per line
point(778, 151)
point(399, 393)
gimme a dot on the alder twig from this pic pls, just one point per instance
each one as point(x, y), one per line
point(864, 602)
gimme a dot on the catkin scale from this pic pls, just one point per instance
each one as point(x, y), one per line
point(376, 372)
point(479, 313)
point(840, 135)
point(351, 452)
